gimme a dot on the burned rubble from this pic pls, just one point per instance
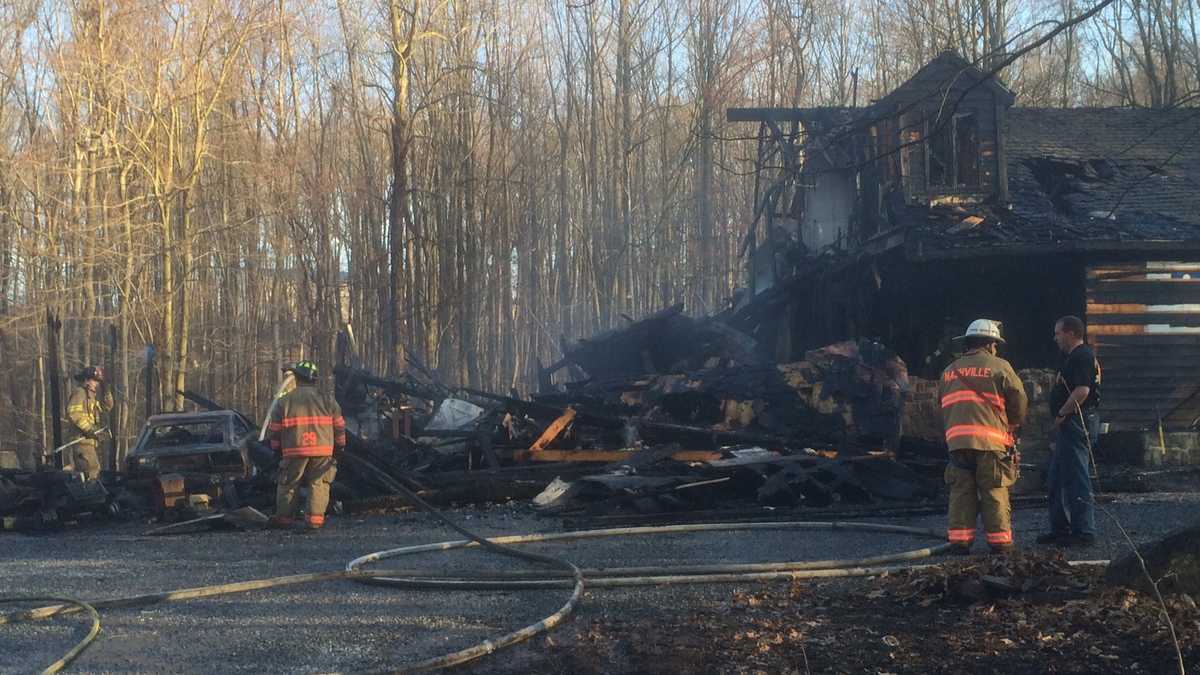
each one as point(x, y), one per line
point(667, 414)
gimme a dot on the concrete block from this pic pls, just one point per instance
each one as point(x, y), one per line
point(1145, 448)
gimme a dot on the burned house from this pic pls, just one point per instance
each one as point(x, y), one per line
point(944, 201)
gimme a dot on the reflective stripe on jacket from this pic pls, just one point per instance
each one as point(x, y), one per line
point(86, 413)
point(980, 397)
point(307, 423)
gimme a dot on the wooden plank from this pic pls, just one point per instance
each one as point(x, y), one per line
point(613, 456)
point(1116, 361)
point(1095, 309)
point(1141, 282)
point(1115, 376)
point(1148, 366)
point(1118, 378)
point(1171, 412)
point(1105, 350)
point(1145, 294)
point(920, 253)
point(1177, 344)
point(1150, 345)
point(1147, 319)
point(1126, 369)
point(1146, 401)
point(1125, 292)
point(1134, 394)
point(1119, 270)
point(1149, 341)
point(1112, 387)
point(1158, 347)
point(1137, 356)
point(1149, 329)
point(552, 432)
point(1135, 279)
point(1143, 389)
point(1114, 270)
point(1149, 406)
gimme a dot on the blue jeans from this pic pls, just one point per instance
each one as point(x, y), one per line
point(1072, 509)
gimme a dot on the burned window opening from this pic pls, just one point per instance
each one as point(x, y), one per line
point(966, 141)
point(953, 153)
point(886, 147)
point(941, 155)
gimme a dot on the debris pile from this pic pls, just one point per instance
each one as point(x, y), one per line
point(669, 413)
point(39, 500)
point(751, 476)
point(1034, 576)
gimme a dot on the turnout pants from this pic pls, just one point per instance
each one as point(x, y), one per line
point(87, 460)
point(979, 481)
point(315, 473)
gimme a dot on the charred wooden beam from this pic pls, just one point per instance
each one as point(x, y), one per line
point(537, 409)
point(406, 385)
point(552, 432)
point(54, 378)
point(613, 456)
point(206, 403)
point(662, 431)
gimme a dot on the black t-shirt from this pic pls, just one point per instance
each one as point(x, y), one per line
point(1079, 369)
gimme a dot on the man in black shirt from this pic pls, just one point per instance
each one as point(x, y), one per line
point(1073, 402)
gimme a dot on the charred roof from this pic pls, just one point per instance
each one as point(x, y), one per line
point(1085, 176)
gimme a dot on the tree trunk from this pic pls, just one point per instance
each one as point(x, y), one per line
point(398, 197)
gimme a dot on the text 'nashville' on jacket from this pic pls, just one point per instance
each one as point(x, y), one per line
point(982, 400)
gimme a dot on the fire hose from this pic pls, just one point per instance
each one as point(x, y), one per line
point(83, 644)
point(628, 576)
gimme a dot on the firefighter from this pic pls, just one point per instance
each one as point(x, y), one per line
point(307, 428)
point(983, 403)
point(88, 405)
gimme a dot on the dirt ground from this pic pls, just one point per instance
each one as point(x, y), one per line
point(913, 622)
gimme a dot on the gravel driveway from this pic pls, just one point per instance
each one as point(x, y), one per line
point(347, 626)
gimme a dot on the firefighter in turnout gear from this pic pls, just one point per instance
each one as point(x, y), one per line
point(306, 428)
point(88, 405)
point(983, 403)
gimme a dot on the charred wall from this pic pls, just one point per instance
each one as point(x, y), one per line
point(916, 308)
point(920, 307)
point(1143, 321)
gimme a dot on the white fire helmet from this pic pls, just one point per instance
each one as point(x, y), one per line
point(984, 328)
